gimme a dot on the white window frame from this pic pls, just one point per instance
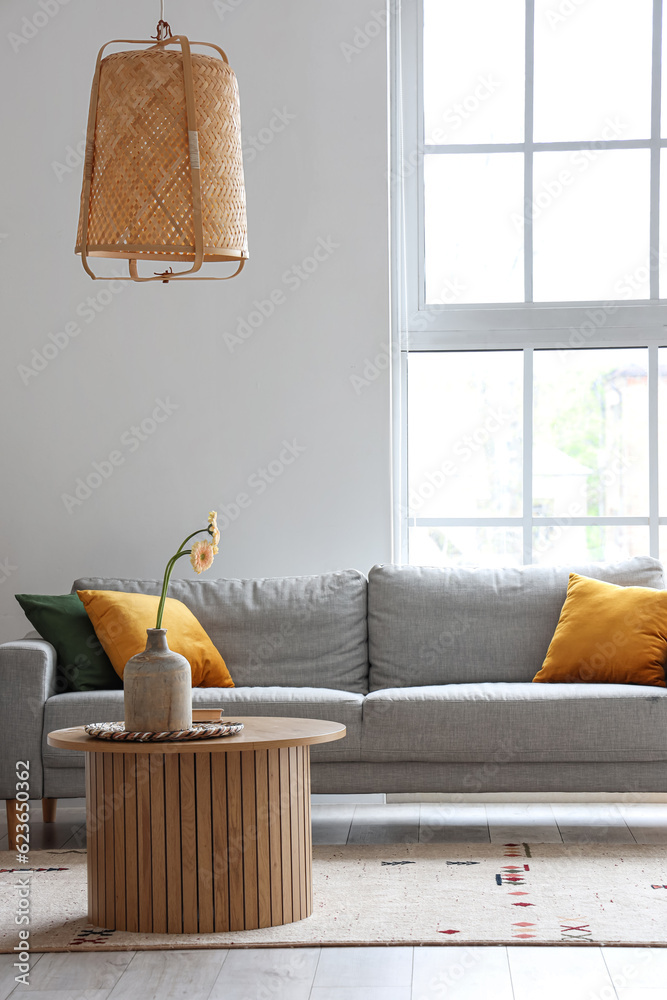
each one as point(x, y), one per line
point(529, 326)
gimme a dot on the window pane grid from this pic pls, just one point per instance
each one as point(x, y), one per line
point(529, 32)
point(654, 142)
point(535, 522)
point(631, 371)
point(528, 412)
point(527, 535)
point(656, 145)
point(518, 147)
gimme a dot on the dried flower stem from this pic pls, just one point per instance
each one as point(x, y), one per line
point(167, 574)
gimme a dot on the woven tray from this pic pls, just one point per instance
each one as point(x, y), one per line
point(117, 731)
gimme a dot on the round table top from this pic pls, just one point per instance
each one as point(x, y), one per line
point(259, 733)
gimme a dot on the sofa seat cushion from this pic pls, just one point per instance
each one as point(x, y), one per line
point(429, 625)
point(79, 708)
point(513, 723)
point(301, 631)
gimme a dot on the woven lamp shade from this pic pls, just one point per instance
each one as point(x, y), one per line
point(163, 179)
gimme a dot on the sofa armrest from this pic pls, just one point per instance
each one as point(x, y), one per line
point(27, 679)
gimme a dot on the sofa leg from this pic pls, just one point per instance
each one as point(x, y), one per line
point(13, 806)
point(49, 810)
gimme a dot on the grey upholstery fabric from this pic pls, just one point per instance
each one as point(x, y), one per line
point(489, 777)
point(78, 708)
point(28, 676)
point(451, 626)
point(339, 778)
point(64, 782)
point(433, 722)
point(304, 631)
point(549, 723)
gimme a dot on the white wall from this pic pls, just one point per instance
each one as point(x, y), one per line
point(322, 177)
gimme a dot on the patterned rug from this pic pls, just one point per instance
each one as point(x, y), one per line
point(399, 894)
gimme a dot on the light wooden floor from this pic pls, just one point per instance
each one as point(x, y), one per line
point(455, 973)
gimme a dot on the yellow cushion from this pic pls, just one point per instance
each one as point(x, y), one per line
point(120, 621)
point(608, 635)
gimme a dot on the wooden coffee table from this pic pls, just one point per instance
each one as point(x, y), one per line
point(198, 837)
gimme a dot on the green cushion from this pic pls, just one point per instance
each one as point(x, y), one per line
point(82, 663)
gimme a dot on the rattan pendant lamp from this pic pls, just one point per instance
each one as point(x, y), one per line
point(163, 174)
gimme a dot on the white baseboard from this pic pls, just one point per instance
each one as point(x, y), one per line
point(349, 799)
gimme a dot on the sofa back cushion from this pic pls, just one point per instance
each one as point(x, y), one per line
point(428, 625)
point(304, 631)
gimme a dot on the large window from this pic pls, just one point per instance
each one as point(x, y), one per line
point(530, 288)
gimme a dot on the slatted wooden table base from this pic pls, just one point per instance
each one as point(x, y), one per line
point(195, 840)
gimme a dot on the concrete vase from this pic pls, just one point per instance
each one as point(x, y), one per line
point(157, 688)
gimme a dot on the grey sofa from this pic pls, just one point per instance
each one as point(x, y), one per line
point(430, 670)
